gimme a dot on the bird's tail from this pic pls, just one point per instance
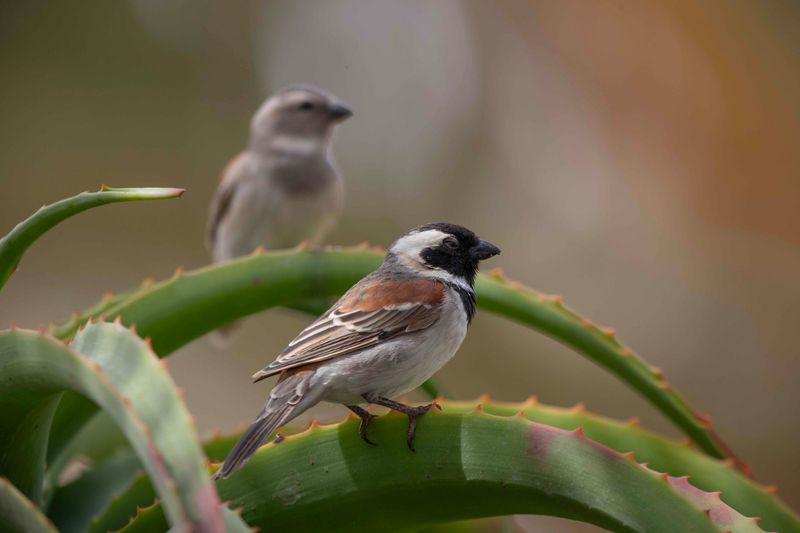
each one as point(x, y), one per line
point(285, 402)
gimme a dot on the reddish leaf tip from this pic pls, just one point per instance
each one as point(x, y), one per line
point(496, 272)
point(703, 418)
point(530, 401)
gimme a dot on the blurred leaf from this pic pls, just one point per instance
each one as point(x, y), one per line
point(124, 505)
point(76, 503)
point(13, 245)
point(116, 370)
point(25, 417)
point(18, 514)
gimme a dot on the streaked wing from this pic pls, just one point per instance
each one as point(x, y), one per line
point(223, 199)
point(368, 314)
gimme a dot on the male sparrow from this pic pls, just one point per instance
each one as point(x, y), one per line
point(387, 335)
point(283, 189)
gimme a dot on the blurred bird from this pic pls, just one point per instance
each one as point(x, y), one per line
point(283, 189)
point(387, 335)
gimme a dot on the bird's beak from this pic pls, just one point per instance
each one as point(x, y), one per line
point(338, 111)
point(484, 250)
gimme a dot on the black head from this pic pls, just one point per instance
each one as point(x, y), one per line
point(448, 249)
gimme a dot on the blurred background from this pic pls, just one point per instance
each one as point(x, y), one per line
point(640, 158)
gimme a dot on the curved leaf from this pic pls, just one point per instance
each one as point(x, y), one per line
point(124, 506)
point(18, 514)
point(76, 503)
point(664, 455)
point(188, 305)
point(468, 465)
point(151, 519)
point(117, 371)
point(13, 245)
point(676, 458)
point(23, 439)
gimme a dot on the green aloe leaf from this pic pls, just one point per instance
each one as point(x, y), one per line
point(124, 506)
point(116, 370)
point(78, 502)
point(188, 305)
point(18, 514)
point(467, 465)
point(151, 519)
point(13, 245)
point(664, 455)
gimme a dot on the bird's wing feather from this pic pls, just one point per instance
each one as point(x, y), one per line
point(223, 197)
point(369, 313)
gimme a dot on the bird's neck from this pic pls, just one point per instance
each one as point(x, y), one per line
point(467, 296)
point(290, 146)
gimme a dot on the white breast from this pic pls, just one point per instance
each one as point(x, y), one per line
point(264, 213)
point(397, 366)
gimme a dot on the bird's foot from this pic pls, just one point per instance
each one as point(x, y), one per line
point(365, 417)
point(412, 421)
point(411, 412)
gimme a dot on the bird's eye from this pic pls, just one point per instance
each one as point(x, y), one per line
point(306, 106)
point(450, 243)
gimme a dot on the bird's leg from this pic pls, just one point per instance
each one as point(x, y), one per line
point(365, 417)
point(411, 412)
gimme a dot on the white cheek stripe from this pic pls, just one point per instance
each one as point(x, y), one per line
point(411, 245)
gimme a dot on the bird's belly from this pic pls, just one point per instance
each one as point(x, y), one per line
point(392, 369)
point(274, 218)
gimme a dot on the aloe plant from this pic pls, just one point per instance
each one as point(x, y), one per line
point(205, 299)
point(96, 389)
point(13, 245)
